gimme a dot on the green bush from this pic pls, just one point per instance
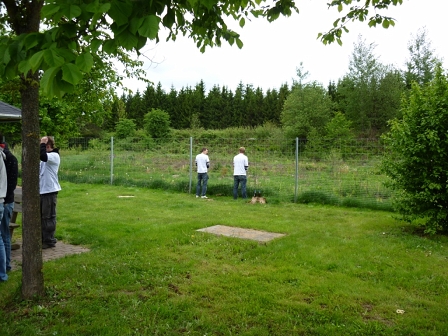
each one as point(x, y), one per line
point(157, 124)
point(417, 155)
point(125, 128)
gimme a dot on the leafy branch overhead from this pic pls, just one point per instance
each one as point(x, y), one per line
point(76, 34)
point(359, 10)
point(79, 33)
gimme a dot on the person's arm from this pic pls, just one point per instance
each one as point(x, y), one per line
point(43, 152)
point(12, 170)
point(246, 164)
point(43, 149)
point(208, 162)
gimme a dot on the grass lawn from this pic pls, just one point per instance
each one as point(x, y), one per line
point(149, 272)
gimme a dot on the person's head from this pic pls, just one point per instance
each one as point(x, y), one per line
point(242, 150)
point(50, 143)
point(204, 150)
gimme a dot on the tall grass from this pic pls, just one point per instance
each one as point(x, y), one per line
point(336, 272)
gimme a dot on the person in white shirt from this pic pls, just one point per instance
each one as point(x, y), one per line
point(240, 166)
point(202, 163)
point(49, 188)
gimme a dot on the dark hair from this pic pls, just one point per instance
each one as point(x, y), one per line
point(50, 141)
point(203, 149)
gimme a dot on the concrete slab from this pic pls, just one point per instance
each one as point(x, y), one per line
point(228, 231)
point(60, 250)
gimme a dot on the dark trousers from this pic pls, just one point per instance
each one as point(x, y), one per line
point(202, 179)
point(237, 179)
point(48, 217)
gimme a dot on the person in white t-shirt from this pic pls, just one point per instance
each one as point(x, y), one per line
point(202, 163)
point(240, 166)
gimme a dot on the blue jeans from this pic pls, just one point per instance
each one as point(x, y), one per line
point(4, 229)
point(202, 179)
point(3, 275)
point(237, 179)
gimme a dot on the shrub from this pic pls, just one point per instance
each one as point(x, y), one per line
point(125, 128)
point(157, 124)
point(417, 155)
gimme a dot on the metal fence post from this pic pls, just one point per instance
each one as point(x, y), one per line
point(296, 189)
point(191, 164)
point(112, 160)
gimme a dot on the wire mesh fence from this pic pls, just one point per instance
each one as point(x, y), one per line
point(342, 172)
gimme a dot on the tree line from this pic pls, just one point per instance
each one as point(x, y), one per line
point(368, 96)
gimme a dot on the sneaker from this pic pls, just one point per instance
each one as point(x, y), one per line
point(46, 246)
point(197, 196)
point(204, 196)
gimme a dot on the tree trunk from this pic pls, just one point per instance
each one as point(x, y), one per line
point(32, 276)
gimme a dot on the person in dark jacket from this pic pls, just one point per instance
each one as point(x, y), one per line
point(12, 171)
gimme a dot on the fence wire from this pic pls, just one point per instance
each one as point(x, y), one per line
point(341, 172)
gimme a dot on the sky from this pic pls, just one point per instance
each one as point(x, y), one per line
point(273, 51)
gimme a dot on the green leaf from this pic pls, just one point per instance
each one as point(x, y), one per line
point(150, 27)
point(239, 43)
point(47, 81)
point(24, 67)
point(31, 40)
point(141, 42)
point(52, 58)
point(385, 24)
point(95, 44)
point(127, 40)
point(169, 18)
point(135, 24)
point(10, 71)
point(95, 7)
point(71, 11)
point(208, 3)
point(120, 12)
point(6, 57)
point(49, 10)
point(110, 46)
point(63, 87)
point(71, 73)
point(36, 60)
point(84, 62)
point(242, 22)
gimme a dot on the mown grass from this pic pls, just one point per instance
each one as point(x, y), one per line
point(149, 272)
